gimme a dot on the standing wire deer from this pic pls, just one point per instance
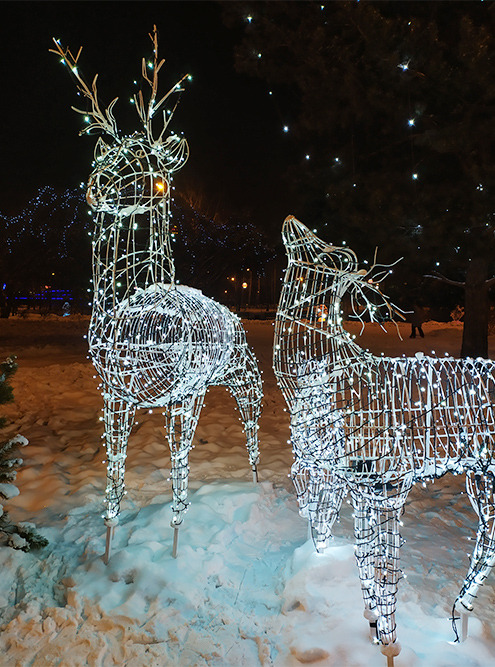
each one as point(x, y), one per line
point(372, 426)
point(153, 342)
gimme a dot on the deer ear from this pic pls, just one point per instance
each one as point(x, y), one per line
point(101, 149)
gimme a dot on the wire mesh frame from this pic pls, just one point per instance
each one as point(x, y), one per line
point(153, 342)
point(373, 426)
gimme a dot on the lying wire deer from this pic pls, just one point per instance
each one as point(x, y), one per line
point(153, 342)
point(372, 426)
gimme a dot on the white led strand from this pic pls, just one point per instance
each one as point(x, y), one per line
point(371, 426)
point(154, 343)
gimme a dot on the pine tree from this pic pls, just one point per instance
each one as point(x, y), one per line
point(20, 535)
point(393, 104)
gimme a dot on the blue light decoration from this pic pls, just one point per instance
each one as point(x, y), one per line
point(40, 219)
point(370, 426)
point(153, 342)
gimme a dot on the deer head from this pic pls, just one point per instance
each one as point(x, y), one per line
point(127, 178)
point(132, 174)
point(327, 272)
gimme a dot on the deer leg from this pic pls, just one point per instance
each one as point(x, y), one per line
point(387, 575)
point(324, 506)
point(319, 496)
point(316, 501)
point(182, 420)
point(301, 478)
point(365, 535)
point(244, 382)
point(118, 419)
point(479, 486)
point(319, 491)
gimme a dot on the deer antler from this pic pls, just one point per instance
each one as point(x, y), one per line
point(146, 112)
point(102, 120)
point(370, 281)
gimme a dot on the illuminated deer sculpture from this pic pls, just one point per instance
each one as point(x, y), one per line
point(154, 343)
point(371, 426)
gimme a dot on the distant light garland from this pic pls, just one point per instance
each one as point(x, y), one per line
point(372, 426)
point(153, 343)
point(29, 223)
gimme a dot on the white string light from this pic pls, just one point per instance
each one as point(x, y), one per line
point(154, 343)
point(371, 426)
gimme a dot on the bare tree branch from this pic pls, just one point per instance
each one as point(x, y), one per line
point(457, 283)
point(443, 279)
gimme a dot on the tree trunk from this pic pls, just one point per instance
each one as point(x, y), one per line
point(476, 309)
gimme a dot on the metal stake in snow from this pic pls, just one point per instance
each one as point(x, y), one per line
point(372, 426)
point(464, 626)
point(110, 524)
point(154, 343)
point(176, 540)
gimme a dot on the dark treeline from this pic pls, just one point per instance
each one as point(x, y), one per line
point(46, 246)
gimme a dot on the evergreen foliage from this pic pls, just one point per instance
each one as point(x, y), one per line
point(20, 535)
point(7, 369)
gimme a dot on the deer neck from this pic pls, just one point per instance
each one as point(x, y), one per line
point(130, 252)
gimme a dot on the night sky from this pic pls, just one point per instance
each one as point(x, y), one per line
point(238, 150)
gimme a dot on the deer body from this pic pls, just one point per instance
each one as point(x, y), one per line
point(371, 426)
point(153, 342)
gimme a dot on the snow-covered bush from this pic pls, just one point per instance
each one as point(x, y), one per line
point(21, 535)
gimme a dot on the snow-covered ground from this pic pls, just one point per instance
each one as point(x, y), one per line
point(247, 588)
